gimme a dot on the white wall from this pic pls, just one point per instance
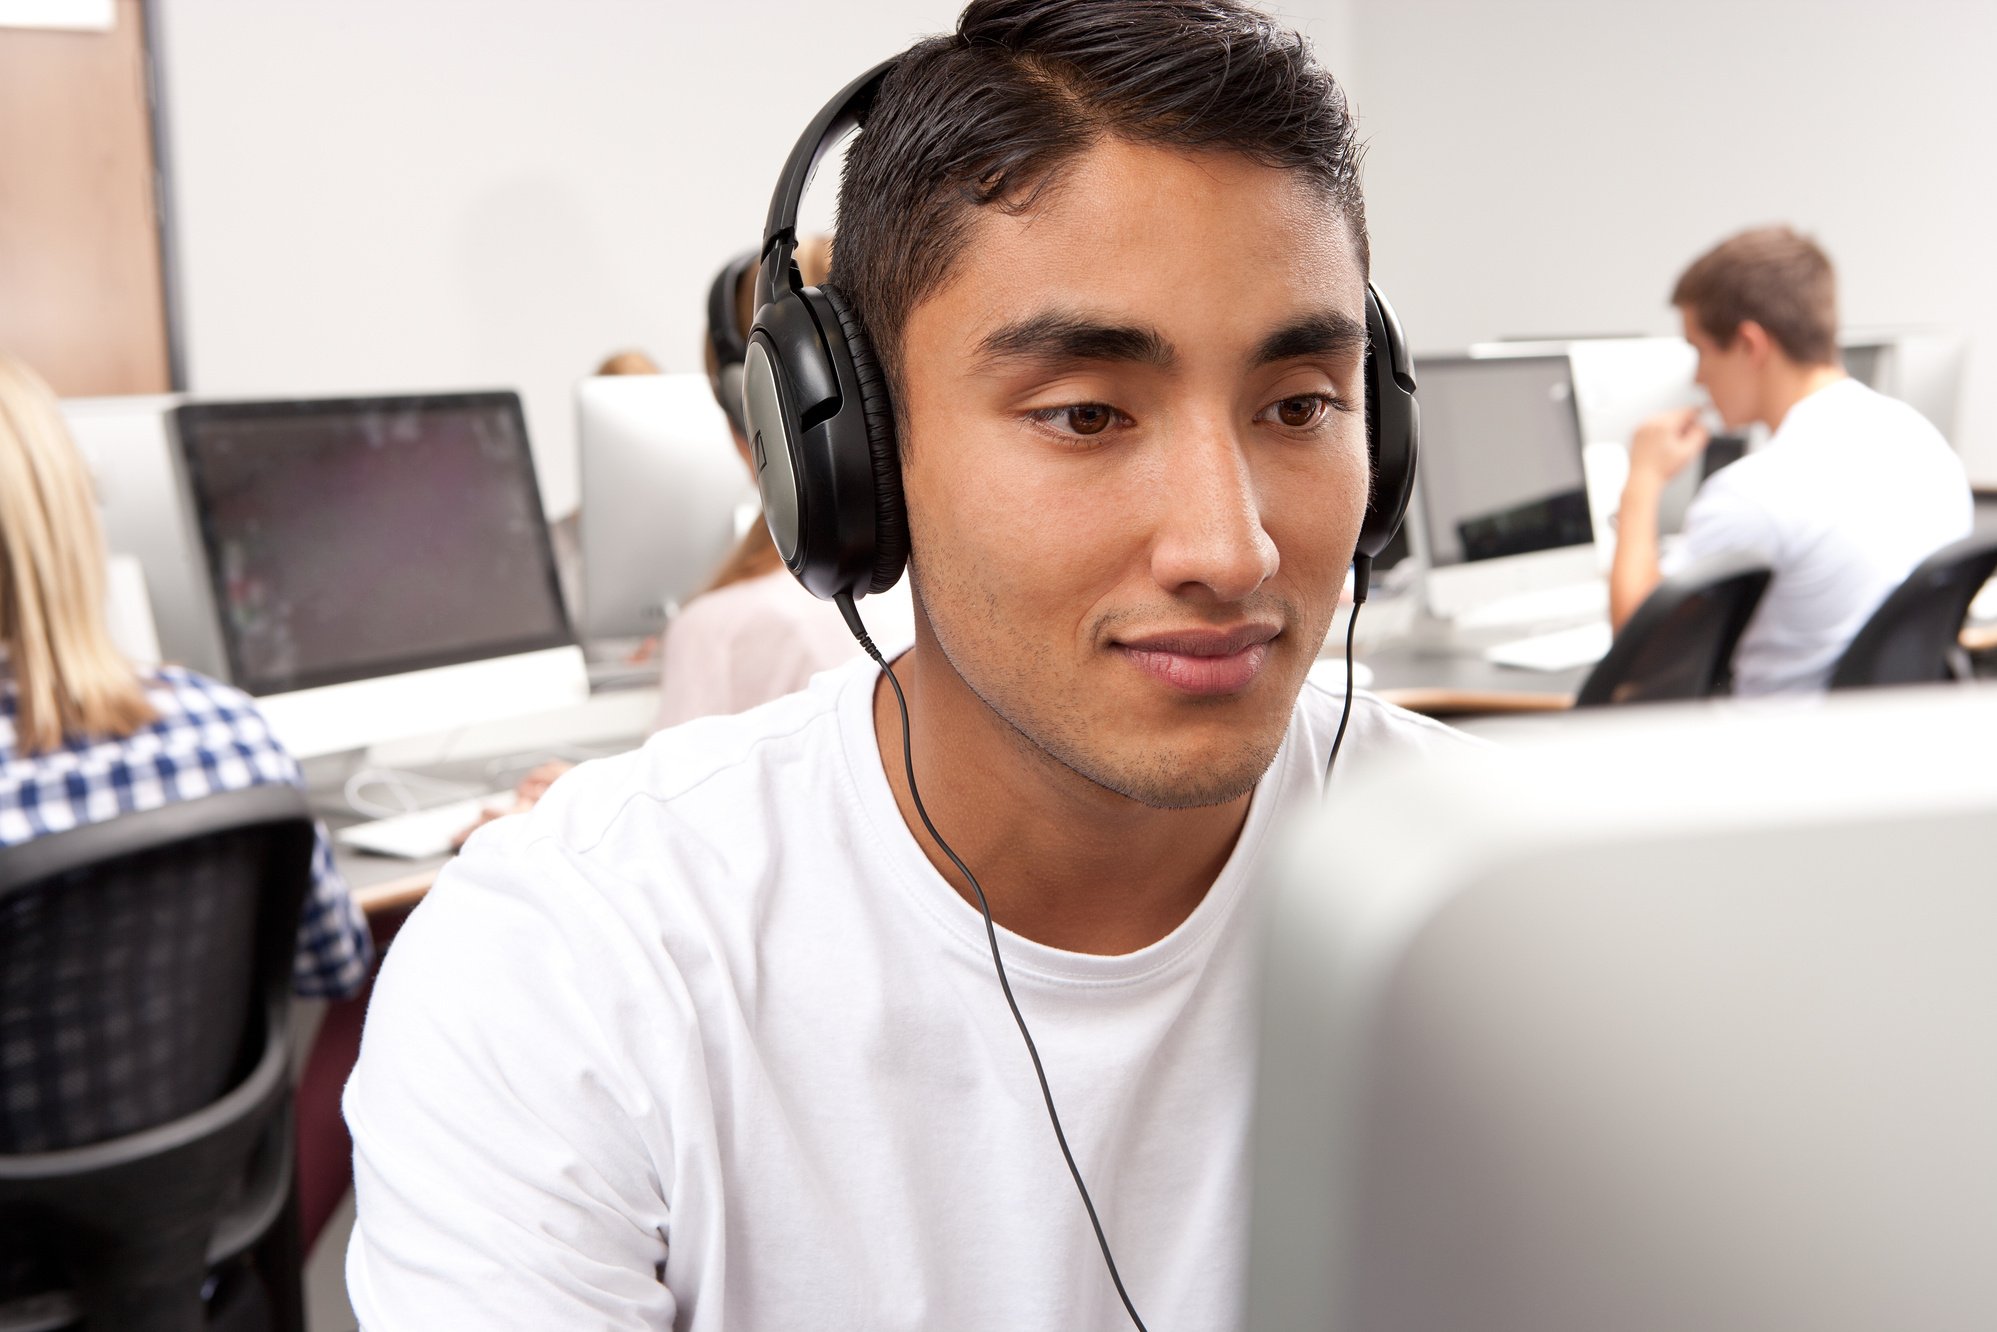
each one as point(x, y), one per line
point(1549, 166)
point(377, 194)
point(380, 194)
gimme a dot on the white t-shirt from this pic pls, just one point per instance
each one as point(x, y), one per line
point(762, 638)
point(704, 1042)
point(1850, 493)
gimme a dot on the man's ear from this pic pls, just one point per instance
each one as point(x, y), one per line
point(1753, 339)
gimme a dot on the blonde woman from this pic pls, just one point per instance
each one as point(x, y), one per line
point(85, 736)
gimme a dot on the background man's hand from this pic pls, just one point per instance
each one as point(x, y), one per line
point(532, 787)
point(1665, 443)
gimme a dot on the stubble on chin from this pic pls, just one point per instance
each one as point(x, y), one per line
point(1015, 676)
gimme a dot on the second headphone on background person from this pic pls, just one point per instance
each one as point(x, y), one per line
point(724, 336)
point(822, 431)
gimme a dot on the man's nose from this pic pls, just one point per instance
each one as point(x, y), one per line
point(1210, 532)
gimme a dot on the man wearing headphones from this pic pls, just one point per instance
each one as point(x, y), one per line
point(714, 1037)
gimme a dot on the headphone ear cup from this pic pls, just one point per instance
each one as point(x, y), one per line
point(1393, 426)
point(877, 409)
point(728, 392)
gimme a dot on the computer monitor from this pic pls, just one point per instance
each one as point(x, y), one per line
point(1619, 383)
point(662, 488)
point(1866, 362)
point(380, 566)
point(127, 444)
point(1502, 496)
point(1922, 369)
point(1652, 1022)
point(1928, 372)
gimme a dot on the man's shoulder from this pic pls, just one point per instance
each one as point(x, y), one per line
point(669, 846)
point(733, 767)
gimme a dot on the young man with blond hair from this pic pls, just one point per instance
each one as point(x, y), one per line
point(1852, 490)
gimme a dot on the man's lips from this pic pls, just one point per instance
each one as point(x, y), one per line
point(1202, 661)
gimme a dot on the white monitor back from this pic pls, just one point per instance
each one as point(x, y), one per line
point(128, 445)
point(1666, 1021)
point(662, 488)
point(1618, 384)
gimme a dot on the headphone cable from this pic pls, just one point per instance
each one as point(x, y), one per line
point(1344, 713)
point(1362, 574)
point(847, 609)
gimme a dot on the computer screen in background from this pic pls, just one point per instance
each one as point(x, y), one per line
point(1864, 361)
point(661, 489)
point(379, 542)
point(1639, 1022)
point(1502, 495)
point(1923, 369)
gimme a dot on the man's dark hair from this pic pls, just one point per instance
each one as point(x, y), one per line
point(987, 115)
point(1775, 276)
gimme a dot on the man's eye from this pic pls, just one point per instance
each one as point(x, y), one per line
point(1301, 412)
point(1087, 418)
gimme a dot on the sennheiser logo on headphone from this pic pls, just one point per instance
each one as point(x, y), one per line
point(761, 461)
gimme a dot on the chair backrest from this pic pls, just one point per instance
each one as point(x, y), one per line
point(145, 966)
point(1680, 643)
point(1911, 637)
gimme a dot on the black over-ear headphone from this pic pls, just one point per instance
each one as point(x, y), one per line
point(724, 336)
point(821, 428)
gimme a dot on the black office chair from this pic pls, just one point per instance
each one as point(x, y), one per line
point(1912, 637)
point(1680, 643)
point(145, 1093)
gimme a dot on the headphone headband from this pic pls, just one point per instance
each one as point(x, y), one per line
point(844, 112)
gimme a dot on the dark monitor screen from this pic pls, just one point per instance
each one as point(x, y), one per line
point(1501, 466)
point(1864, 362)
point(1722, 451)
point(353, 538)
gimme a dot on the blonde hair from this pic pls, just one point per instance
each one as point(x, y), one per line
point(754, 554)
point(68, 677)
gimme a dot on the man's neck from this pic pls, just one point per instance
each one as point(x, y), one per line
point(1788, 384)
point(1062, 860)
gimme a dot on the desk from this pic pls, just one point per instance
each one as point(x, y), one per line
point(486, 757)
point(1439, 670)
point(381, 884)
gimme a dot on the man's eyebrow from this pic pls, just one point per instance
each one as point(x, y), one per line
point(1328, 332)
point(1054, 338)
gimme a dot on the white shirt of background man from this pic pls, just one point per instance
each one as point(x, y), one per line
point(1849, 494)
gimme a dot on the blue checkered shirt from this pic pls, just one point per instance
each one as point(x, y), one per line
point(208, 738)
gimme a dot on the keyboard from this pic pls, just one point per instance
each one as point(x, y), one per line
point(423, 834)
point(1561, 650)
